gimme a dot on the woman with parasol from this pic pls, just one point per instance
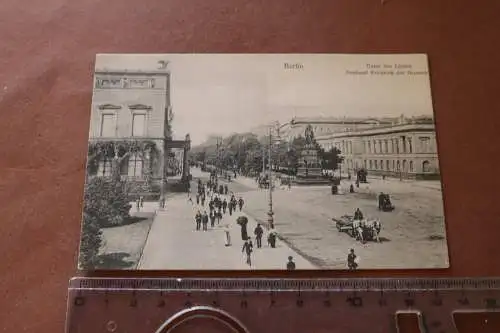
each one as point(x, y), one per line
point(242, 222)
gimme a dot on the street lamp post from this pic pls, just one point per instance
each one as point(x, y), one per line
point(270, 213)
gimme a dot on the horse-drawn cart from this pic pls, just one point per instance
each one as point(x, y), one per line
point(362, 230)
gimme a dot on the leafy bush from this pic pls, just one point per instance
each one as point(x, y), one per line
point(90, 242)
point(106, 201)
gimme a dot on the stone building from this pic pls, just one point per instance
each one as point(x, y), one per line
point(129, 127)
point(322, 126)
point(406, 149)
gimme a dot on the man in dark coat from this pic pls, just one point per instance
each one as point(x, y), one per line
point(290, 265)
point(226, 189)
point(258, 232)
point(351, 260)
point(224, 206)
point(212, 219)
point(248, 249)
point(205, 221)
point(240, 203)
point(197, 219)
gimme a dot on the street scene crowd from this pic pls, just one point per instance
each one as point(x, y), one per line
point(216, 204)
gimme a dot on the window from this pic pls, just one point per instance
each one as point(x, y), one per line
point(387, 165)
point(380, 146)
point(105, 167)
point(386, 147)
point(369, 147)
point(397, 147)
point(393, 165)
point(135, 166)
point(410, 147)
point(138, 124)
point(393, 150)
point(108, 125)
point(398, 166)
point(381, 165)
point(411, 166)
point(371, 165)
point(426, 166)
point(365, 165)
point(424, 144)
point(376, 164)
point(404, 166)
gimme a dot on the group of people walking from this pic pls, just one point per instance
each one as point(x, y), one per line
point(220, 201)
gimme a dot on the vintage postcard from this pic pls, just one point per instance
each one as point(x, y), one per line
point(262, 162)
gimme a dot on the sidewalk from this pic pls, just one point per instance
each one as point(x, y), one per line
point(174, 244)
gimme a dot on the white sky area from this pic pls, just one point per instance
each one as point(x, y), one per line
point(219, 94)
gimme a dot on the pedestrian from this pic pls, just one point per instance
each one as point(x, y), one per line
point(248, 249)
point(230, 206)
point(224, 205)
point(197, 198)
point(141, 200)
point(351, 189)
point(240, 203)
point(228, 235)
point(221, 189)
point(219, 216)
point(290, 265)
point(203, 199)
point(258, 232)
point(212, 219)
point(271, 239)
point(138, 204)
point(226, 189)
point(352, 260)
point(205, 221)
point(211, 205)
point(197, 219)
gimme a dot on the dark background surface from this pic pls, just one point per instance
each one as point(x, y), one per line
point(46, 62)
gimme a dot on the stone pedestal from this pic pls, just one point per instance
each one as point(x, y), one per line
point(309, 170)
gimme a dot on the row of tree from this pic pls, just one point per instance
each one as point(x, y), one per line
point(247, 152)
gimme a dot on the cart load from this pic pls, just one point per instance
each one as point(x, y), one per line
point(362, 230)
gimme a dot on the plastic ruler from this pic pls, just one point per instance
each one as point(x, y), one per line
point(366, 305)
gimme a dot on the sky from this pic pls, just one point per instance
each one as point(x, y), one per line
point(220, 94)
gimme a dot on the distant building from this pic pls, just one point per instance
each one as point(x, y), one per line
point(404, 149)
point(323, 126)
point(129, 117)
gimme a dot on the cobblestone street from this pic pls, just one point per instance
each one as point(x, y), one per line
point(413, 236)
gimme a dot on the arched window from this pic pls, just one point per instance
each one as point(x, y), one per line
point(411, 166)
point(426, 166)
point(104, 168)
point(135, 164)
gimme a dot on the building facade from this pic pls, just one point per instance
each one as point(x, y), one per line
point(325, 126)
point(129, 126)
point(407, 149)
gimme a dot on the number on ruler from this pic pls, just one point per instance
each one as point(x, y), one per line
point(355, 301)
point(79, 301)
point(491, 303)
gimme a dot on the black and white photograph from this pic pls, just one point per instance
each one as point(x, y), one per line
point(262, 162)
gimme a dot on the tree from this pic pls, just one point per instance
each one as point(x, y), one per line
point(330, 159)
point(106, 201)
point(90, 243)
